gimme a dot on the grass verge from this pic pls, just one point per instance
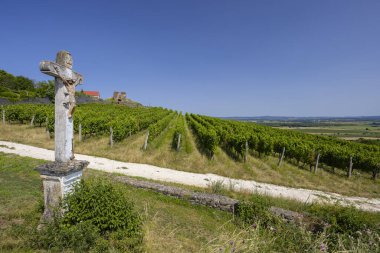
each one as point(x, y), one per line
point(173, 225)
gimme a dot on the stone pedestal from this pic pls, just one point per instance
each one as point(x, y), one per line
point(58, 180)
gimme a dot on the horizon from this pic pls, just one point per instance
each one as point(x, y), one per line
point(298, 58)
point(287, 116)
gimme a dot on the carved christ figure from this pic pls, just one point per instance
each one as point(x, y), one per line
point(62, 69)
point(65, 59)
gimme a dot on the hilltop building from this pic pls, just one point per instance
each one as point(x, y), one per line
point(94, 94)
point(119, 97)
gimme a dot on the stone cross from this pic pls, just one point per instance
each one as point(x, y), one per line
point(65, 82)
point(60, 176)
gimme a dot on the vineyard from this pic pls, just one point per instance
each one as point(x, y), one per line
point(237, 139)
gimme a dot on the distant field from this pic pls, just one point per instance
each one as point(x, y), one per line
point(345, 130)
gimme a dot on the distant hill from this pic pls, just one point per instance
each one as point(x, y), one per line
point(299, 119)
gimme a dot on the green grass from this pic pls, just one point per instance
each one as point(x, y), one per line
point(20, 200)
point(170, 224)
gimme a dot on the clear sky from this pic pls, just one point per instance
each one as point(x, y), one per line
point(213, 57)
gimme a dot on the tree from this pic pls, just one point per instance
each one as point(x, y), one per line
point(6, 79)
point(45, 89)
point(23, 83)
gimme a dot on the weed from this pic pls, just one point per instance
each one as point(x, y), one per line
point(217, 186)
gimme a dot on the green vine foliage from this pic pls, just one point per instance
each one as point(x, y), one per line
point(232, 136)
point(156, 129)
point(302, 147)
point(179, 130)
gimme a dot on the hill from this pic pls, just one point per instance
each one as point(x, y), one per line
point(20, 89)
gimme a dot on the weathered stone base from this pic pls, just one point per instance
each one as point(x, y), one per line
point(58, 179)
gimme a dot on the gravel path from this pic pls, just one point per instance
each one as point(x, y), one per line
point(195, 179)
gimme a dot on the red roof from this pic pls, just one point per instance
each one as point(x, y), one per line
point(92, 93)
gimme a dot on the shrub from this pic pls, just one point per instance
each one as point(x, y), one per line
point(9, 94)
point(104, 205)
point(343, 219)
point(98, 216)
point(256, 210)
point(56, 237)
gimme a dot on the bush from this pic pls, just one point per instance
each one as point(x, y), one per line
point(104, 205)
point(343, 219)
point(56, 237)
point(256, 210)
point(98, 216)
point(9, 94)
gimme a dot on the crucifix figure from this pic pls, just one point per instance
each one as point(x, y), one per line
point(59, 176)
point(65, 82)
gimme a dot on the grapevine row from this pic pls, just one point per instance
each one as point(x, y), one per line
point(233, 135)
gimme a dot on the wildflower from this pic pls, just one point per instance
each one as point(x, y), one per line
point(323, 247)
point(273, 229)
point(254, 225)
point(358, 233)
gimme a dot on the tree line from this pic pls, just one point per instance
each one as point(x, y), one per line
point(16, 88)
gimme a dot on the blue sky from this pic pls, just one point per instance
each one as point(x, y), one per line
point(220, 58)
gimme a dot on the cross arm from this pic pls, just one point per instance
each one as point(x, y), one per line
point(56, 70)
point(51, 68)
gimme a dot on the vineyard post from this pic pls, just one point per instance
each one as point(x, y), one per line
point(316, 163)
point(375, 172)
point(350, 168)
point(111, 137)
point(80, 132)
point(3, 115)
point(47, 128)
point(281, 157)
point(246, 152)
point(146, 140)
point(179, 142)
point(32, 121)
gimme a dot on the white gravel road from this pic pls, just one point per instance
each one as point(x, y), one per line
point(195, 179)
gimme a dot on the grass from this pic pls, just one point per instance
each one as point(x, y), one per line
point(20, 200)
point(160, 153)
point(170, 224)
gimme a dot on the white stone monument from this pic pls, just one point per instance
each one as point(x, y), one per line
point(59, 176)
